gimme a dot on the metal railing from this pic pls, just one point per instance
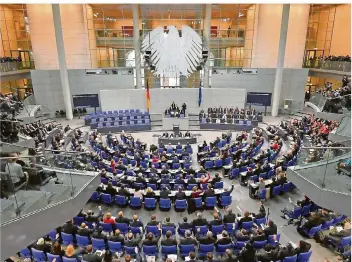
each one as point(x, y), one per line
point(50, 177)
point(328, 65)
point(15, 66)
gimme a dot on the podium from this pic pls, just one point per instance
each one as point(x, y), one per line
point(176, 129)
point(170, 122)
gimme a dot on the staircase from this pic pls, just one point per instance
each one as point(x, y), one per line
point(193, 121)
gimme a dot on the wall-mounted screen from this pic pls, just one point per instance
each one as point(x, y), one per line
point(86, 100)
point(258, 99)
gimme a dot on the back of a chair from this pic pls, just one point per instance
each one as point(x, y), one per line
point(82, 241)
point(210, 201)
point(202, 230)
point(314, 230)
point(130, 250)
point(247, 225)
point(181, 203)
point(67, 238)
point(271, 239)
point(259, 244)
point(154, 230)
point(186, 249)
point(115, 246)
point(290, 259)
point(165, 229)
point(346, 241)
point(106, 227)
point(260, 221)
point(219, 185)
point(38, 255)
point(168, 250)
point(106, 198)
point(123, 227)
point(150, 250)
point(135, 202)
point(217, 229)
point(98, 244)
point(165, 203)
point(204, 249)
point(297, 211)
point(306, 210)
point(222, 248)
point(51, 257)
point(150, 202)
point(304, 257)
point(69, 259)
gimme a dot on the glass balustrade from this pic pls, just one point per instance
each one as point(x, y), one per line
point(327, 167)
point(15, 66)
point(328, 65)
point(44, 180)
point(319, 100)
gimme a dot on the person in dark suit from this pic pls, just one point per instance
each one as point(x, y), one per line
point(247, 253)
point(136, 222)
point(150, 240)
point(313, 221)
point(199, 221)
point(336, 237)
point(153, 221)
point(216, 221)
point(192, 257)
point(271, 229)
point(229, 217)
point(123, 191)
point(84, 231)
point(230, 257)
point(245, 218)
point(217, 178)
point(225, 240)
point(191, 180)
point(164, 193)
point(153, 180)
point(121, 219)
point(169, 241)
point(69, 228)
point(140, 179)
point(286, 251)
point(188, 240)
point(98, 234)
point(209, 192)
point(168, 223)
point(242, 235)
point(153, 170)
point(117, 237)
point(210, 258)
point(260, 236)
point(180, 194)
point(132, 241)
point(268, 253)
point(90, 217)
point(207, 240)
point(179, 181)
point(185, 224)
point(303, 247)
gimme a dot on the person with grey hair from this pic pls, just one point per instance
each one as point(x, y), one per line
point(230, 257)
point(224, 240)
point(229, 217)
point(188, 239)
point(207, 240)
point(140, 179)
point(199, 221)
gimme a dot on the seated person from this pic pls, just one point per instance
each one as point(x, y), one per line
point(345, 164)
point(335, 237)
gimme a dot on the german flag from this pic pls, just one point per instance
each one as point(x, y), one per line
point(148, 96)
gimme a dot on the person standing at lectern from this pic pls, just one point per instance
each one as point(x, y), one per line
point(184, 107)
point(173, 106)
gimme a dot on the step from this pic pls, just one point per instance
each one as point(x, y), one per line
point(7, 210)
point(60, 192)
point(30, 200)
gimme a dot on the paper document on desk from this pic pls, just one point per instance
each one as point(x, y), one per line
point(262, 226)
point(150, 258)
point(219, 236)
point(338, 229)
point(289, 199)
point(173, 257)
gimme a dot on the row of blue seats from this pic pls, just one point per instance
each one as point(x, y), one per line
point(217, 185)
point(164, 204)
point(236, 121)
point(123, 123)
point(117, 118)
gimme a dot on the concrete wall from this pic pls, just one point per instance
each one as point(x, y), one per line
point(293, 82)
point(47, 88)
point(48, 92)
point(160, 99)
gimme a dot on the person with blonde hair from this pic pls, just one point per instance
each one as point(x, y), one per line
point(196, 192)
point(149, 193)
point(121, 218)
point(40, 245)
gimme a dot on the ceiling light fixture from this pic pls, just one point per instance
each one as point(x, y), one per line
point(240, 15)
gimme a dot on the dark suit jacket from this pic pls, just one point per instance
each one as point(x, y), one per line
point(206, 241)
point(229, 218)
point(244, 219)
point(132, 242)
point(180, 195)
point(118, 238)
point(270, 231)
point(199, 222)
point(122, 220)
point(69, 228)
point(209, 193)
point(286, 253)
point(169, 242)
point(223, 241)
point(188, 241)
point(164, 194)
point(153, 242)
point(258, 237)
point(84, 232)
point(136, 224)
point(93, 257)
point(240, 237)
point(185, 225)
point(215, 222)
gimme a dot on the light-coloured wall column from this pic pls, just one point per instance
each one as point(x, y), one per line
point(40, 19)
point(62, 60)
point(296, 37)
point(75, 36)
point(137, 45)
point(92, 39)
point(206, 45)
point(280, 60)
